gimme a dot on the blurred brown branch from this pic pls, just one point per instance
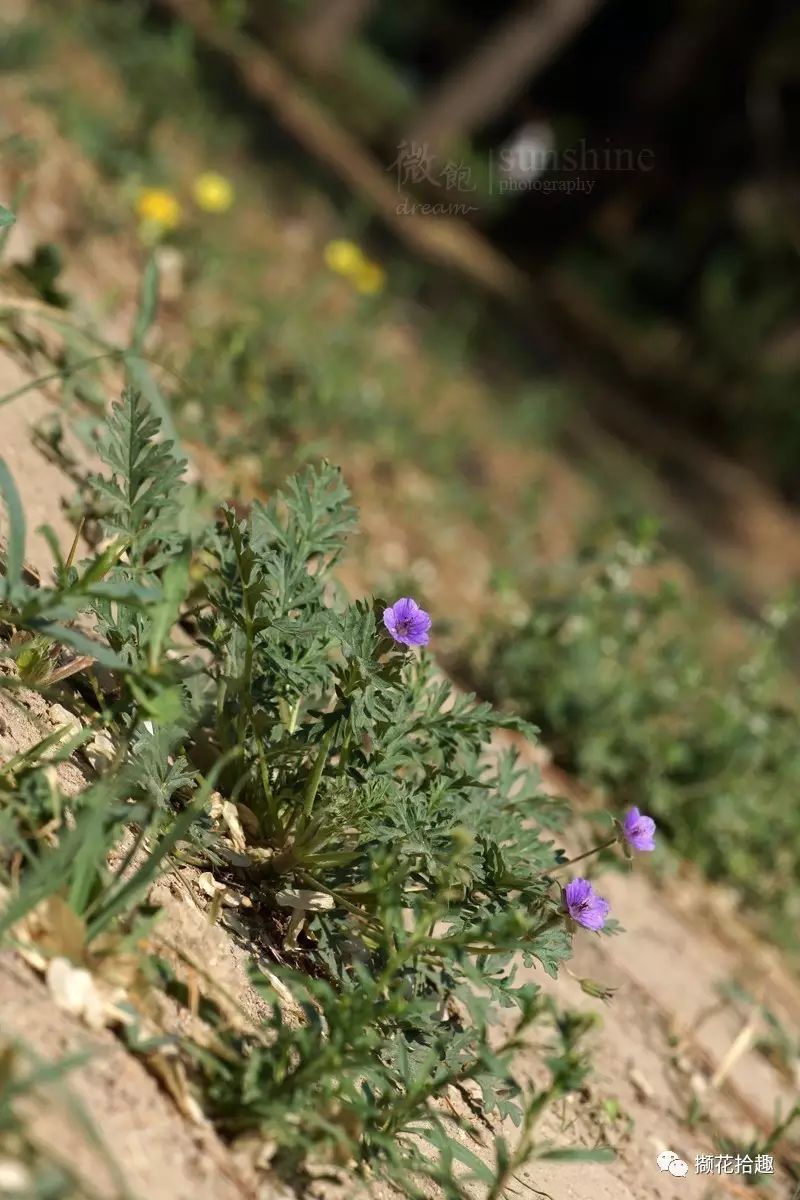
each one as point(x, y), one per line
point(480, 88)
point(324, 33)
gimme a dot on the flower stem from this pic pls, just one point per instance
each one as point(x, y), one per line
point(578, 857)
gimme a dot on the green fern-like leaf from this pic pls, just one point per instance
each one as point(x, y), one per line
point(143, 493)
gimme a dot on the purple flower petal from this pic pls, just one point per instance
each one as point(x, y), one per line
point(407, 622)
point(639, 830)
point(584, 905)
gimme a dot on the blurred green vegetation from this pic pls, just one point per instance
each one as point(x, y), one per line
point(640, 690)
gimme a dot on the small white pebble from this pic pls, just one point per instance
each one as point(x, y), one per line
point(208, 884)
point(642, 1086)
point(698, 1083)
point(59, 717)
point(14, 1177)
point(100, 750)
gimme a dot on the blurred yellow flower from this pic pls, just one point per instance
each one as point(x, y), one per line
point(159, 207)
point(348, 259)
point(212, 192)
point(343, 257)
point(370, 279)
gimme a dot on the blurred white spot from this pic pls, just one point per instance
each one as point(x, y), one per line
point(527, 154)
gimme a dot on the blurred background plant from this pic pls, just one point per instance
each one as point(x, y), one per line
point(639, 692)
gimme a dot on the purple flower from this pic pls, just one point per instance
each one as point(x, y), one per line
point(584, 905)
point(407, 622)
point(639, 830)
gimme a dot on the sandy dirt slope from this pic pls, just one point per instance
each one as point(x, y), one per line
point(663, 1036)
point(43, 487)
point(666, 1037)
point(159, 1154)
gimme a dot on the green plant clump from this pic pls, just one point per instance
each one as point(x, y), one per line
point(398, 874)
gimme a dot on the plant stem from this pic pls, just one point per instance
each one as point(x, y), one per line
point(316, 774)
point(579, 857)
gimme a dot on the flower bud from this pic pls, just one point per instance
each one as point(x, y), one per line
point(600, 991)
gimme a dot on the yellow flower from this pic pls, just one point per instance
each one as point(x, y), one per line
point(159, 207)
point(213, 192)
point(343, 257)
point(370, 279)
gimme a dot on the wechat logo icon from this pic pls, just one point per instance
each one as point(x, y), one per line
point(669, 1161)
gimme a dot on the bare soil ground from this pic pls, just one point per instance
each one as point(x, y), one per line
point(665, 1038)
point(158, 1152)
